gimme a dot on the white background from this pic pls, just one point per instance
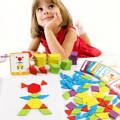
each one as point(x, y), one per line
point(100, 18)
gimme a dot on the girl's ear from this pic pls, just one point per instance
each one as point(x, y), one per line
point(23, 85)
point(43, 83)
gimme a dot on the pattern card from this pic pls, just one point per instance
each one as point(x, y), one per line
point(19, 63)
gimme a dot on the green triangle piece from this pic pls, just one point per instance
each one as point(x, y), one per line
point(45, 111)
point(100, 109)
point(93, 117)
point(75, 111)
point(102, 84)
point(86, 86)
point(66, 95)
point(78, 101)
point(24, 112)
point(34, 95)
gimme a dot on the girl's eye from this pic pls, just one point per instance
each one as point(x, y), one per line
point(51, 6)
point(40, 9)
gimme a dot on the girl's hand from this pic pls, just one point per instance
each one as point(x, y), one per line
point(54, 23)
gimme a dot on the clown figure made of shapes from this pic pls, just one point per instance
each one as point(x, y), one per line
point(19, 63)
point(34, 99)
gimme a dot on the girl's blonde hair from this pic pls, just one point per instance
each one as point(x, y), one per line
point(36, 30)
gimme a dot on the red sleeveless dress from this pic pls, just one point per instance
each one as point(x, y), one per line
point(80, 46)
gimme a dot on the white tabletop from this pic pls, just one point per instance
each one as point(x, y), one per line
point(11, 104)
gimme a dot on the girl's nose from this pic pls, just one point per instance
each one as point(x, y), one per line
point(46, 13)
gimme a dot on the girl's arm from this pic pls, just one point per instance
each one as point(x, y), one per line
point(67, 46)
point(81, 32)
point(34, 45)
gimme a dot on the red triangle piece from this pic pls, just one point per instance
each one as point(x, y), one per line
point(23, 85)
point(110, 106)
point(112, 92)
point(102, 104)
point(43, 83)
point(71, 117)
point(43, 106)
point(43, 70)
point(106, 102)
point(107, 110)
point(100, 99)
point(85, 109)
point(68, 112)
point(26, 107)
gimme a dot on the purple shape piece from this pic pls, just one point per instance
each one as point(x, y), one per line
point(74, 62)
point(95, 88)
point(74, 53)
point(72, 93)
point(70, 105)
point(118, 105)
point(85, 65)
point(73, 58)
point(113, 114)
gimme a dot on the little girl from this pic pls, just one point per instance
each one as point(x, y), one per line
point(52, 27)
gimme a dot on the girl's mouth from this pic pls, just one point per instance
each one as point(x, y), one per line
point(47, 18)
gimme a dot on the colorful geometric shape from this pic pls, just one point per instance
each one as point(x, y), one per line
point(24, 112)
point(45, 111)
point(34, 103)
point(34, 88)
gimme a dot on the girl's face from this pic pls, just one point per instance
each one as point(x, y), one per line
point(46, 12)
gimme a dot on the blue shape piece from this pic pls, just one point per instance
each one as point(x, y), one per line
point(42, 96)
point(79, 90)
point(94, 82)
point(77, 117)
point(64, 76)
point(115, 100)
point(91, 112)
point(118, 97)
point(67, 84)
point(87, 118)
point(79, 73)
point(84, 115)
point(94, 107)
point(64, 87)
point(80, 106)
point(26, 97)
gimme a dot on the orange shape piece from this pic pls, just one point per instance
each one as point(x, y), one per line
point(100, 99)
point(71, 117)
point(43, 83)
point(102, 104)
point(68, 112)
point(107, 110)
point(43, 70)
point(23, 85)
point(34, 88)
point(106, 102)
point(85, 109)
point(112, 92)
point(110, 106)
point(33, 70)
point(26, 107)
point(43, 106)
